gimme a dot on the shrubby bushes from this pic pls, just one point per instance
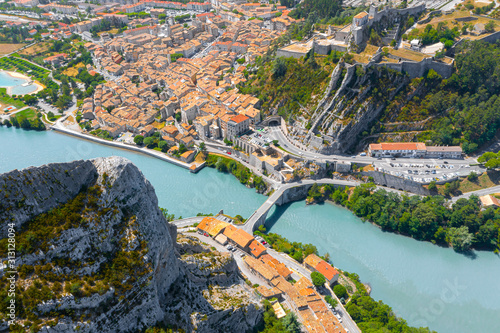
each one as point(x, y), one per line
point(244, 175)
point(297, 251)
point(463, 225)
point(372, 316)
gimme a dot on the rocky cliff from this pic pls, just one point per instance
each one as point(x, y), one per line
point(95, 254)
point(359, 101)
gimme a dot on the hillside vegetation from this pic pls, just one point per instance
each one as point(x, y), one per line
point(318, 9)
point(462, 110)
point(290, 85)
point(463, 225)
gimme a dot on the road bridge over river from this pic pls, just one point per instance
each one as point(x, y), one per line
point(291, 192)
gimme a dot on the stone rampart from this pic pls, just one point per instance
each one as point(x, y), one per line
point(397, 183)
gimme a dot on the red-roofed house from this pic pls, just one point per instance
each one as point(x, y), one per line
point(56, 59)
point(256, 248)
point(237, 125)
point(315, 263)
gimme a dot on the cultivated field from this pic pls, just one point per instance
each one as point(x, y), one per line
point(8, 48)
point(36, 49)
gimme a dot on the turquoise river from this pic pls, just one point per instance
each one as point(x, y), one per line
point(425, 284)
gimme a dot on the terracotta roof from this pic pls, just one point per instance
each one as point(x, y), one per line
point(326, 269)
point(239, 118)
point(489, 200)
point(312, 260)
point(241, 237)
point(361, 15)
point(256, 248)
point(212, 226)
point(277, 265)
point(268, 293)
point(398, 146)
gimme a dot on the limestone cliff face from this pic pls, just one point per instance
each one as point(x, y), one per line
point(126, 222)
point(362, 96)
point(95, 254)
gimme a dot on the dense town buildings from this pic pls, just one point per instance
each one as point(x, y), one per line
point(300, 295)
point(162, 74)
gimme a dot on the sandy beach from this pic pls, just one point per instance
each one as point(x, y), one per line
point(18, 75)
point(39, 86)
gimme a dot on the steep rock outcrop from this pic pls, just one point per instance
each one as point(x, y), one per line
point(117, 233)
point(95, 254)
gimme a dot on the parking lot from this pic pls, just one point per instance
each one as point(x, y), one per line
point(426, 172)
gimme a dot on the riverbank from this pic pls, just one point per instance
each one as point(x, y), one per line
point(127, 147)
point(427, 285)
point(464, 227)
point(17, 75)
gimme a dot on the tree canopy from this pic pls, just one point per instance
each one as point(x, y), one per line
point(318, 279)
point(425, 218)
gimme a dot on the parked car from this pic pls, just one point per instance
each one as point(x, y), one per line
point(229, 152)
point(362, 154)
point(205, 234)
point(264, 242)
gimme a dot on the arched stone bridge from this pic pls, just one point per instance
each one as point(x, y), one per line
point(287, 193)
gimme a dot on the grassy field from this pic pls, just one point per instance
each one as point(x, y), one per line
point(158, 125)
point(8, 48)
point(112, 31)
point(407, 54)
point(450, 22)
point(29, 114)
point(486, 180)
point(200, 158)
point(36, 49)
point(73, 71)
point(7, 100)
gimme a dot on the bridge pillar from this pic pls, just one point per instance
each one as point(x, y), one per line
point(260, 221)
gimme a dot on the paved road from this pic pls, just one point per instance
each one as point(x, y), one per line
point(276, 133)
point(347, 321)
point(264, 208)
point(187, 222)
point(490, 190)
point(297, 268)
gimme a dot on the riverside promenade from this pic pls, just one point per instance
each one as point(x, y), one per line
point(60, 128)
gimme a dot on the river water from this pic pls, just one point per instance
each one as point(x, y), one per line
point(16, 84)
point(425, 284)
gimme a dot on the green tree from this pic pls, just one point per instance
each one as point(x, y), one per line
point(472, 176)
point(330, 300)
point(279, 67)
point(150, 142)
point(490, 26)
point(291, 322)
point(318, 279)
point(460, 238)
point(220, 165)
point(203, 147)
point(139, 140)
point(340, 291)
point(163, 145)
point(432, 186)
